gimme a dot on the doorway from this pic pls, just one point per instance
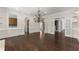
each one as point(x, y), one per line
point(59, 34)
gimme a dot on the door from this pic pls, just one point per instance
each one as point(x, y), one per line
point(58, 25)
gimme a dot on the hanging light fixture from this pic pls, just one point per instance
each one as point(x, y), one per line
point(39, 16)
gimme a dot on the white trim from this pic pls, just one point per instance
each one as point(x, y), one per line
point(10, 32)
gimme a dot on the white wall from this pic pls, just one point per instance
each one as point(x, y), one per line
point(66, 17)
point(49, 25)
point(5, 30)
point(3, 18)
point(33, 26)
point(2, 45)
point(4, 21)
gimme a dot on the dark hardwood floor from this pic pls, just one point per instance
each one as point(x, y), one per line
point(50, 42)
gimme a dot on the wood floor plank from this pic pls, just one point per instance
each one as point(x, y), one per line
point(33, 43)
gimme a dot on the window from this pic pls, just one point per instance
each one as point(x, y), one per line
point(12, 22)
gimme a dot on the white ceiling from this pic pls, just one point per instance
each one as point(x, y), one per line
point(33, 10)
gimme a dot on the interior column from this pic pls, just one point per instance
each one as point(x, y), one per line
point(42, 28)
point(26, 28)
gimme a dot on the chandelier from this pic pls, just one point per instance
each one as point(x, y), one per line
point(39, 17)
